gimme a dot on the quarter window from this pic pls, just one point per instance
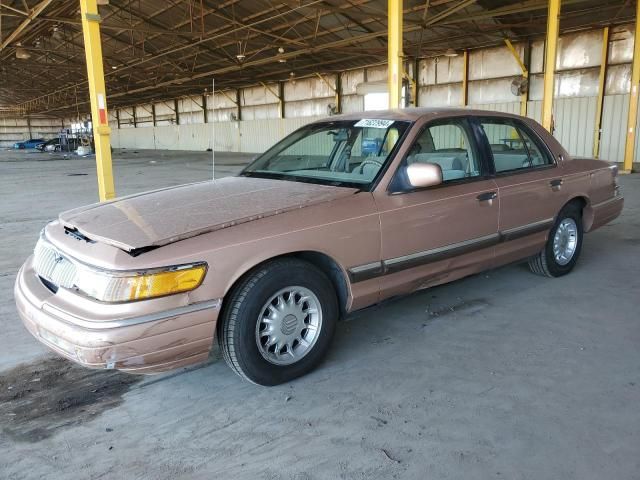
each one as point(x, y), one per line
point(512, 147)
point(448, 145)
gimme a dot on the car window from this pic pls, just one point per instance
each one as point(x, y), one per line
point(447, 144)
point(349, 152)
point(512, 146)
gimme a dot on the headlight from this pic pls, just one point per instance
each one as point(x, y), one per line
point(111, 286)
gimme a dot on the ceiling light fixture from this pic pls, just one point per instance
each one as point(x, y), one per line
point(450, 53)
point(21, 53)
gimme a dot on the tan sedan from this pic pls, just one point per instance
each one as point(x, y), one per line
point(338, 216)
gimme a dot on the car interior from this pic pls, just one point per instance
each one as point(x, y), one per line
point(447, 146)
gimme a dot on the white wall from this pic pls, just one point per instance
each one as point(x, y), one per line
point(246, 136)
point(16, 129)
point(439, 82)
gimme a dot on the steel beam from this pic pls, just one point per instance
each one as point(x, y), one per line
point(551, 44)
point(524, 98)
point(339, 92)
point(205, 112)
point(281, 97)
point(604, 60)
point(37, 10)
point(465, 78)
point(279, 94)
point(394, 52)
point(238, 104)
point(632, 118)
point(97, 95)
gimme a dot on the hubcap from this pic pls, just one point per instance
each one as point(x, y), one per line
point(288, 325)
point(565, 241)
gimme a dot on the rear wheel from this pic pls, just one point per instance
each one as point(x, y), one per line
point(278, 322)
point(563, 246)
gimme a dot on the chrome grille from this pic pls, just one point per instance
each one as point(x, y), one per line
point(53, 266)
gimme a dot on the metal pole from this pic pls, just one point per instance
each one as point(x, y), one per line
point(395, 52)
point(465, 78)
point(205, 112)
point(97, 95)
point(176, 108)
point(629, 146)
point(281, 99)
point(551, 45)
point(604, 60)
point(339, 92)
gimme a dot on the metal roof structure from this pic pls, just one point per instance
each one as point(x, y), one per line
point(166, 49)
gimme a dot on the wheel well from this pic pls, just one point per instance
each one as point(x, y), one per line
point(323, 262)
point(585, 208)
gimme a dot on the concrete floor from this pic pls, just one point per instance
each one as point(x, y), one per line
point(501, 375)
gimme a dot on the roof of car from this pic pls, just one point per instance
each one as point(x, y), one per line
point(413, 114)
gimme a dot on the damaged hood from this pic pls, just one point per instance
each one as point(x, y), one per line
point(165, 216)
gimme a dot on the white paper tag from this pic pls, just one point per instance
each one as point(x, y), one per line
point(374, 123)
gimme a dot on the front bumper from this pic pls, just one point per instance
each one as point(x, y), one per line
point(142, 341)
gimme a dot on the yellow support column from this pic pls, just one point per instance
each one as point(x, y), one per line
point(551, 45)
point(629, 146)
point(97, 94)
point(604, 59)
point(395, 52)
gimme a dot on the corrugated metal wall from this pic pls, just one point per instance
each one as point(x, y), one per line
point(439, 80)
point(16, 129)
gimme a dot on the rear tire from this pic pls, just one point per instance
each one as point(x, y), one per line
point(278, 322)
point(563, 246)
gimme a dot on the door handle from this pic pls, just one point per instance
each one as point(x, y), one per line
point(556, 183)
point(486, 196)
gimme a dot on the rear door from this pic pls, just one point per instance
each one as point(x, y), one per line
point(431, 235)
point(529, 185)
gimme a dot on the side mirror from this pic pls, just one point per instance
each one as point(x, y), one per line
point(424, 174)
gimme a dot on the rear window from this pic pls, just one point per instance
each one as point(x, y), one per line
point(513, 146)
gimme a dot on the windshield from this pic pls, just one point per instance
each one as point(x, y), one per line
point(343, 153)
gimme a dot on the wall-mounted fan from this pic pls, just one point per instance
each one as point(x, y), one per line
point(519, 86)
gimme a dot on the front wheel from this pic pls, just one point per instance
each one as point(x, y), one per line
point(563, 246)
point(277, 324)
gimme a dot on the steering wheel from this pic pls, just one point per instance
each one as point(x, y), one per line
point(369, 162)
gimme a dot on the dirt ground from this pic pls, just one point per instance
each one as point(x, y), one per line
point(500, 375)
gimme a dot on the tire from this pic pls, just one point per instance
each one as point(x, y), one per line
point(250, 321)
point(547, 262)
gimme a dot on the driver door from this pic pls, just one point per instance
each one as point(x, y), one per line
point(435, 234)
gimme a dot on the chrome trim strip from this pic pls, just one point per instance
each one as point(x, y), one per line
point(524, 230)
point(127, 322)
point(397, 264)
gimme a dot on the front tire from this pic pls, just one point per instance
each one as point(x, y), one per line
point(278, 322)
point(563, 246)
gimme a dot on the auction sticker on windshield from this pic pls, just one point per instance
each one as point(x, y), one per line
point(374, 123)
